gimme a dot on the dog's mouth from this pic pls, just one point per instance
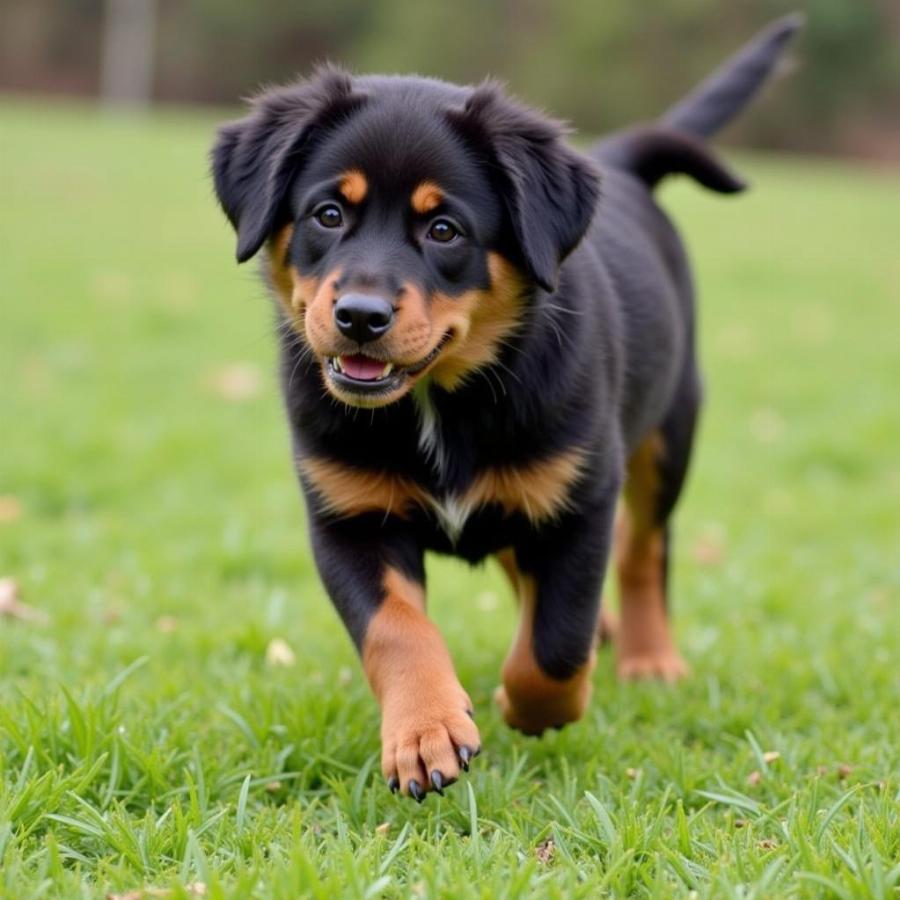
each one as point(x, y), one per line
point(359, 373)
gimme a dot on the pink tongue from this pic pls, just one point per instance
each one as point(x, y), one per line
point(362, 367)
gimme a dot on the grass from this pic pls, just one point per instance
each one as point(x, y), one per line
point(151, 515)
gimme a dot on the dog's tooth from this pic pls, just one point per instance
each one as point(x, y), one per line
point(387, 370)
point(336, 363)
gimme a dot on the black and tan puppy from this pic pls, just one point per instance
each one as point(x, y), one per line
point(487, 339)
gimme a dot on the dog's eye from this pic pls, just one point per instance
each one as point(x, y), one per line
point(443, 231)
point(329, 216)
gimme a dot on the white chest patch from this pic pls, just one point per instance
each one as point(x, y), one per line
point(430, 442)
point(453, 513)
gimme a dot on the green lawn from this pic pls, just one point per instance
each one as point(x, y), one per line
point(150, 514)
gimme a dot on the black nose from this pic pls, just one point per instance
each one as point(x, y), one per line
point(363, 317)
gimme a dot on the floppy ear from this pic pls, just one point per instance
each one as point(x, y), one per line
point(550, 190)
point(255, 158)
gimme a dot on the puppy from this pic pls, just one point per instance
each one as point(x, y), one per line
point(487, 340)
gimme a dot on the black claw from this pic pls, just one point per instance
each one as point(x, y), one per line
point(415, 791)
point(464, 756)
point(437, 782)
point(394, 784)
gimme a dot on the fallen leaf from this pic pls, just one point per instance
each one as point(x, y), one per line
point(141, 894)
point(383, 828)
point(844, 771)
point(754, 778)
point(767, 844)
point(707, 552)
point(195, 889)
point(237, 381)
point(741, 823)
point(166, 624)
point(279, 653)
point(111, 616)
point(545, 851)
point(273, 787)
point(10, 510)
point(11, 607)
point(767, 426)
point(771, 756)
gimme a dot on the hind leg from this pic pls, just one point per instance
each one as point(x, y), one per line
point(656, 474)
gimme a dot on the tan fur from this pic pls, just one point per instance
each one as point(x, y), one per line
point(347, 491)
point(353, 186)
point(645, 645)
point(293, 290)
point(425, 711)
point(426, 197)
point(480, 321)
point(529, 699)
point(538, 490)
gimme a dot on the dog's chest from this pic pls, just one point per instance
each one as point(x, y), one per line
point(538, 490)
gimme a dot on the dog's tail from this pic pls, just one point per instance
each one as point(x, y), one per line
point(676, 143)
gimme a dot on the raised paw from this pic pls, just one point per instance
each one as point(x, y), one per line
point(662, 666)
point(425, 743)
point(534, 714)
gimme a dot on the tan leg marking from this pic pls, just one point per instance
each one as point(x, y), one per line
point(645, 645)
point(424, 709)
point(530, 700)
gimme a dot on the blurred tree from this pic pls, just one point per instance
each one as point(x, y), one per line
point(126, 75)
point(598, 64)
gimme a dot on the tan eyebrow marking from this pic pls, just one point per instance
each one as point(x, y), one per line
point(353, 186)
point(426, 197)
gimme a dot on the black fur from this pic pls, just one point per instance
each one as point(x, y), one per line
point(604, 354)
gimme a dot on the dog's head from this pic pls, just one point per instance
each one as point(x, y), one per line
point(408, 222)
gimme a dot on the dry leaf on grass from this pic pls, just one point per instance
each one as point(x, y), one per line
point(195, 889)
point(279, 653)
point(771, 756)
point(166, 624)
point(383, 828)
point(844, 771)
point(11, 607)
point(10, 509)
point(754, 778)
point(545, 851)
point(237, 381)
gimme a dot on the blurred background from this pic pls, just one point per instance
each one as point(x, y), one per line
point(151, 528)
point(597, 64)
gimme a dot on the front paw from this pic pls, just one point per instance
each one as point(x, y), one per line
point(426, 740)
